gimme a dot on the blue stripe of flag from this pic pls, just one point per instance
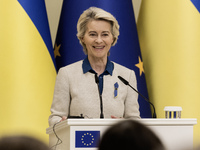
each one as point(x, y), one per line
point(36, 10)
point(196, 4)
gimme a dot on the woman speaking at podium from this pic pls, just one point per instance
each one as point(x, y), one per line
point(90, 88)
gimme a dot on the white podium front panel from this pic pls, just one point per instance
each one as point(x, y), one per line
point(174, 133)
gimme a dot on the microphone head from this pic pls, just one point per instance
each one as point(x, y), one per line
point(123, 80)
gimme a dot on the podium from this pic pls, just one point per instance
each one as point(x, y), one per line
point(174, 133)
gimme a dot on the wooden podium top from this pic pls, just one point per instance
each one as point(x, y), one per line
point(108, 122)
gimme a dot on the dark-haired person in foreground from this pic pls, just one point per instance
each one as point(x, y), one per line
point(21, 142)
point(130, 135)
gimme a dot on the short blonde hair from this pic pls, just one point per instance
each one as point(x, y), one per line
point(94, 13)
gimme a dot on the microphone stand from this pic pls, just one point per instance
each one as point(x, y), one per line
point(127, 83)
point(100, 97)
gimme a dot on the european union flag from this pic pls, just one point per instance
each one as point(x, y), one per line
point(87, 139)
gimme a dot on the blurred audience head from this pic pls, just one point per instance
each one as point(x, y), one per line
point(130, 135)
point(21, 143)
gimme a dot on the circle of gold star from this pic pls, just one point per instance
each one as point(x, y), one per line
point(89, 135)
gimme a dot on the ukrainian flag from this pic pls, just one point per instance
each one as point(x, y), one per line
point(27, 69)
point(169, 33)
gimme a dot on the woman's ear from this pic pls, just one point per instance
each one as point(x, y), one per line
point(113, 43)
point(82, 40)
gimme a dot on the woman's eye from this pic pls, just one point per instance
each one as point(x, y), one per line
point(105, 34)
point(92, 34)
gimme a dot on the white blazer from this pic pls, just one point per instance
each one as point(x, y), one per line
point(77, 93)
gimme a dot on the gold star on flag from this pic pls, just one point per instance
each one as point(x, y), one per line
point(56, 50)
point(140, 66)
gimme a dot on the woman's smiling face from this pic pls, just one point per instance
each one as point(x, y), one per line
point(98, 38)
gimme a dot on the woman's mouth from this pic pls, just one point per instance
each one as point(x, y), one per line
point(98, 47)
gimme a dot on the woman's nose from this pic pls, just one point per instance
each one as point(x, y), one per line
point(99, 39)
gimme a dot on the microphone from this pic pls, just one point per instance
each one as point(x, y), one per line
point(127, 83)
point(100, 97)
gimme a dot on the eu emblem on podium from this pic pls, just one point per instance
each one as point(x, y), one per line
point(87, 139)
